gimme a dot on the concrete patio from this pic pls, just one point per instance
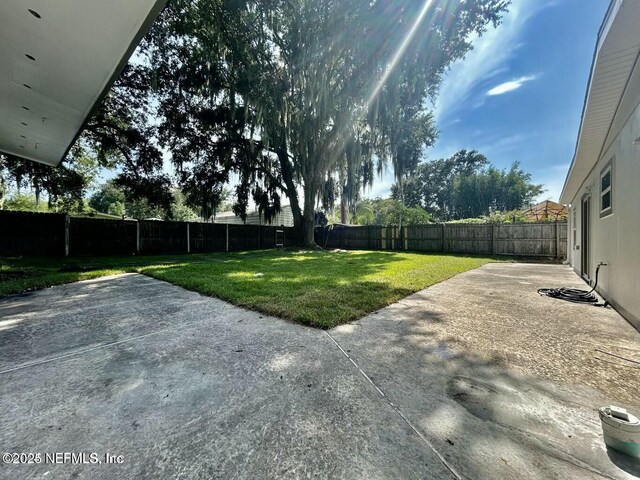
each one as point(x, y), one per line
point(476, 377)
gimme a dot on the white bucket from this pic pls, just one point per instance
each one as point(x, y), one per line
point(621, 430)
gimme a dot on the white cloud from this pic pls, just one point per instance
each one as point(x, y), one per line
point(490, 57)
point(510, 86)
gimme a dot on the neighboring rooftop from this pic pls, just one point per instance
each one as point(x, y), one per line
point(545, 211)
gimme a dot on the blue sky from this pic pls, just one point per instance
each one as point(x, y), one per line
point(518, 94)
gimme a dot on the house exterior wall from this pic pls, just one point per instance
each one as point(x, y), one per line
point(614, 238)
point(282, 218)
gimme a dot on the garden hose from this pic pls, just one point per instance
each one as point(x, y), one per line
point(576, 295)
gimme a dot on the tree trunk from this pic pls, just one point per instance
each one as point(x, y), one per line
point(3, 189)
point(292, 194)
point(343, 208)
point(308, 218)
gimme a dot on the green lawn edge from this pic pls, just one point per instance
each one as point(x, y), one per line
point(320, 288)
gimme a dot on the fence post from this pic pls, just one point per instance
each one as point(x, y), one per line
point(444, 237)
point(227, 237)
point(494, 238)
point(383, 238)
point(67, 221)
point(188, 239)
point(557, 240)
point(404, 238)
point(137, 237)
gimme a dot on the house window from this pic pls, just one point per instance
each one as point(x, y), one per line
point(606, 190)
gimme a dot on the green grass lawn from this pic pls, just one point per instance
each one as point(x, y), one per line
point(318, 288)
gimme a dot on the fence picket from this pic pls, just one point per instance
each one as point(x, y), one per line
point(526, 239)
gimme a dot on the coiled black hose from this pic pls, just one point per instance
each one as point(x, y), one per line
point(575, 295)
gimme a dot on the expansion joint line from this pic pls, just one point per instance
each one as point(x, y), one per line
point(101, 346)
point(398, 411)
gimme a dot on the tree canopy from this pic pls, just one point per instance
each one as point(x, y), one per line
point(64, 186)
point(305, 98)
point(387, 211)
point(466, 186)
point(112, 199)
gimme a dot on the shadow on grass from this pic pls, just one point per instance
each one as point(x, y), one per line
point(321, 289)
point(317, 288)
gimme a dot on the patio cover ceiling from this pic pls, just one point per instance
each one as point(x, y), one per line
point(617, 51)
point(57, 61)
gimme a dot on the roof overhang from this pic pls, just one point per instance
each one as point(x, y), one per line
point(57, 62)
point(617, 51)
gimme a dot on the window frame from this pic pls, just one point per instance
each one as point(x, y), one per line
point(608, 168)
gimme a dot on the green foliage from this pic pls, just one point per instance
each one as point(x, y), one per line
point(25, 202)
point(123, 134)
point(466, 186)
point(114, 200)
point(180, 211)
point(388, 212)
point(64, 186)
point(108, 198)
point(513, 216)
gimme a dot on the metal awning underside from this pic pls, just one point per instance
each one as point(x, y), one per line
point(57, 61)
point(616, 54)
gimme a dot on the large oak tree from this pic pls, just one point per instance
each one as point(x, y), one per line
point(295, 95)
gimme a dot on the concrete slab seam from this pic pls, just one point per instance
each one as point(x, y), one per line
point(97, 347)
point(80, 352)
point(398, 411)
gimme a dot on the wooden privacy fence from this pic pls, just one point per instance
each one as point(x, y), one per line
point(525, 239)
point(26, 233)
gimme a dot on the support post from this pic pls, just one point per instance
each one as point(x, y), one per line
point(444, 237)
point(137, 237)
point(494, 238)
point(67, 221)
point(188, 239)
point(227, 237)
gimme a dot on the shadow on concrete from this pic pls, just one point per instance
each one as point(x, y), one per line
point(459, 368)
point(624, 462)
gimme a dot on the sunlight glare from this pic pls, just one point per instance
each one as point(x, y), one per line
point(398, 55)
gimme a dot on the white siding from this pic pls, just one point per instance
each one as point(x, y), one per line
point(283, 218)
point(615, 239)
